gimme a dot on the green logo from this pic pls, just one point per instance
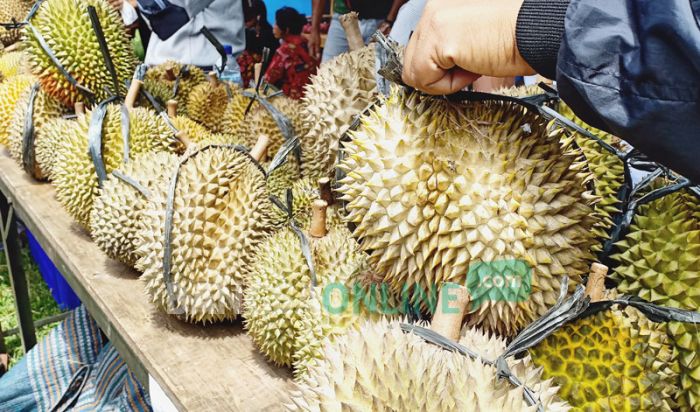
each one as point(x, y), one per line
point(508, 280)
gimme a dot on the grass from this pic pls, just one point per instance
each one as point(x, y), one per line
point(42, 302)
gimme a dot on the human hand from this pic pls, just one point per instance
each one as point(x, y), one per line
point(116, 4)
point(458, 41)
point(384, 27)
point(315, 44)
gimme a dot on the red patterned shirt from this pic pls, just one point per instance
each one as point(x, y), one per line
point(291, 66)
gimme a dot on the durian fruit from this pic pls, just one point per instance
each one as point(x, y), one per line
point(304, 193)
point(13, 64)
point(659, 261)
point(260, 121)
point(12, 11)
point(614, 360)
point(116, 212)
point(437, 188)
point(381, 367)
point(286, 313)
point(221, 213)
point(283, 177)
point(342, 89)
point(606, 168)
point(66, 27)
point(160, 82)
point(234, 120)
point(74, 173)
point(521, 91)
point(45, 108)
point(207, 104)
point(50, 139)
point(11, 91)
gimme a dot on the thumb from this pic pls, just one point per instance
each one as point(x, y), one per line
point(452, 81)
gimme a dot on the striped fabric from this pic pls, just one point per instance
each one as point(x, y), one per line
point(75, 345)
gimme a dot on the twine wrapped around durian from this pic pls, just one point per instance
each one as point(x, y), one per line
point(28, 135)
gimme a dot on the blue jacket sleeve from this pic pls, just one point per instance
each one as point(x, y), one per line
point(631, 67)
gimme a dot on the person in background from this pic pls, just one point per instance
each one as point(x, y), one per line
point(258, 35)
point(374, 15)
point(292, 65)
point(176, 29)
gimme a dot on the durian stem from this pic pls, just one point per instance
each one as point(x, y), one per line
point(213, 79)
point(12, 47)
point(325, 190)
point(133, 93)
point(452, 304)
point(183, 138)
point(351, 24)
point(172, 108)
point(170, 74)
point(79, 109)
point(595, 287)
point(258, 72)
point(259, 151)
point(318, 219)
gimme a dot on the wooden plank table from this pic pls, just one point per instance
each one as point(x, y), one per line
point(212, 368)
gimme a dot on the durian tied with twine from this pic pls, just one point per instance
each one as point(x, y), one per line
point(74, 172)
point(659, 261)
point(198, 238)
point(11, 92)
point(616, 359)
point(173, 81)
point(438, 189)
point(292, 303)
point(12, 11)
point(304, 193)
point(342, 89)
point(51, 137)
point(208, 101)
point(33, 110)
point(14, 63)
point(66, 26)
point(380, 367)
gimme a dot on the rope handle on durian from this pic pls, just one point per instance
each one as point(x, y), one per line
point(104, 48)
point(178, 135)
point(95, 135)
point(28, 153)
point(133, 183)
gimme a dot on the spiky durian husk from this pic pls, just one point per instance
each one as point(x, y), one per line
point(50, 139)
point(521, 91)
point(207, 104)
point(341, 89)
point(66, 27)
point(282, 311)
point(74, 172)
point(12, 10)
point(234, 120)
point(284, 177)
point(436, 187)
point(13, 64)
point(260, 122)
point(162, 88)
point(380, 367)
point(11, 91)
point(116, 212)
point(304, 192)
point(606, 168)
point(659, 261)
point(45, 109)
point(221, 214)
point(614, 360)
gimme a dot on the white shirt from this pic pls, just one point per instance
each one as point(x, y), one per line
point(224, 18)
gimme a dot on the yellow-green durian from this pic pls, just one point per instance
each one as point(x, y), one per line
point(341, 90)
point(659, 261)
point(380, 367)
point(304, 193)
point(74, 173)
point(50, 139)
point(45, 108)
point(13, 64)
point(12, 11)
point(260, 122)
point(614, 360)
point(66, 27)
point(221, 213)
point(438, 188)
point(116, 212)
point(207, 104)
point(160, 82)
point(11, 91)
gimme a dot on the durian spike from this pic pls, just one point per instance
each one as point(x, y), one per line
point(259, 151)
point(213, 79)
point(12, 47)
point(595, 287)
point(325, 190)
point(351, 25)
point(448, 317)
point(172, 108)
point(170, 74)
point(318, 219)
point(133, 93)
point(79, 109)
point(258, 71)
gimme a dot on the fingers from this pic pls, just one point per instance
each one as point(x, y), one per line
point(453, 81)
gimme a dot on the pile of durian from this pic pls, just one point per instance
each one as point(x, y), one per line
point(327, 233)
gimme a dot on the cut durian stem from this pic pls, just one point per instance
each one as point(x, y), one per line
point(213, 79)
point(325, 191)
point(79, 109)
point(258, 72)
point(318, 219)
point(172, 108)
point(259, 151)
point(595, 286)
point(447, 320)
point(351, 25)
point(133, 93)
point(170, 74)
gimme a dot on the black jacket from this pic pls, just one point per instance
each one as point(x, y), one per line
point(631, 67)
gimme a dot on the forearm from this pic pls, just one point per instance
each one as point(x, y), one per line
point(318, 6)
point(394, 11)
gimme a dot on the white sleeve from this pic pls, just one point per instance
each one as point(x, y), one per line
point(129, 14)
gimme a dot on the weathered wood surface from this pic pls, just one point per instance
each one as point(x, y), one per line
point(212, 368)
